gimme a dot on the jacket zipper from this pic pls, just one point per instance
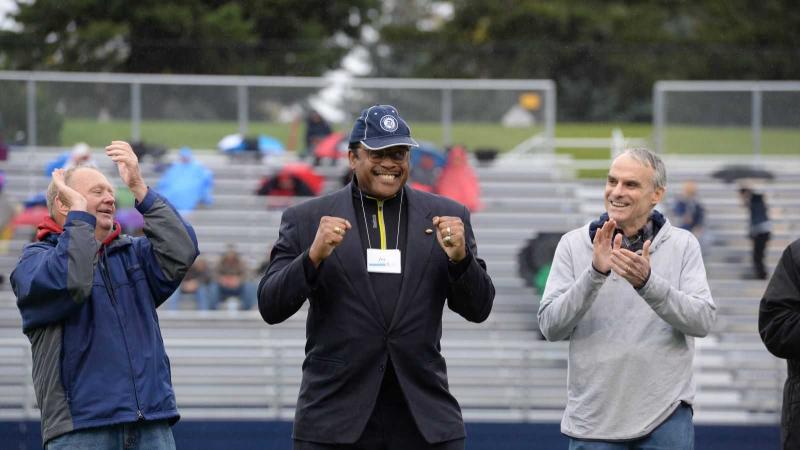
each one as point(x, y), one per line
point(110, 290)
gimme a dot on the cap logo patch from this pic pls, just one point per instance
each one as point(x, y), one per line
point(388, 123)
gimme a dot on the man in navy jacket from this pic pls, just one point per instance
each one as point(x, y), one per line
point(377, 262)
point(87, 295)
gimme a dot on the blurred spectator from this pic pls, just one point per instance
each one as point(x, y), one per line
point(3, 149)
point(283, 185)
point(8, 210)
point(331, 148)
point(238, 145)
point(760, 228)
point(154, 151)
point(690, 214)
point(232, 282)
point(316, 129)
point(34, 211)
point(187, 182)
point(127, 215)
point(458, 180)
point(81, 154)
point(197, 282)
point(427, 163)
point(293, 179)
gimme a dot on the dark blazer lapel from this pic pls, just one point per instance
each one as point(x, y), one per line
point(352, 257)
point(418, 250)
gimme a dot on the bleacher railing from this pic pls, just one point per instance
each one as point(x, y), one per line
point(494, 381)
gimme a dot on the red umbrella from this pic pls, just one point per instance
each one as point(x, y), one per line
point(31, 216)
point(304, 173)
point(331, 146)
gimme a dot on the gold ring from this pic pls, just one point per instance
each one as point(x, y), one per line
point(447, 239)
point(448, 231)
point(337, 230)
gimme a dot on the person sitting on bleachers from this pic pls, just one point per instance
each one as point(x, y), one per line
point(187, 183)
point(197, 282)
point(690, 214)
point(81, 154)
point(231, 281)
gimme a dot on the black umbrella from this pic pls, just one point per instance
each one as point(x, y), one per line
point(732, 173)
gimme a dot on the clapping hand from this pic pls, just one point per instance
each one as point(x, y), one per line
point(128, 165)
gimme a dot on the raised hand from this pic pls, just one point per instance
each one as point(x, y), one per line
point(68, 196)
point(629, 265)
point(450, 235)
point(330, 234)
point(128, 165)
point(601, 255)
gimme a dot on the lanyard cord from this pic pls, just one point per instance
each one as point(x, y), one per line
point(366, 226)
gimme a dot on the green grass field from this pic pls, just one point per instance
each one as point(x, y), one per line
point(684, 139)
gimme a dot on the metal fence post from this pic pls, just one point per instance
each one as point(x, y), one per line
point(242, 108)
point(31, 106)
point(447, 117)
point(756, 122)
point(136, 112)
point(550, 116)
point(658, 118)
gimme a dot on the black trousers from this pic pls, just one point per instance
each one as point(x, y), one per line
point(390, 427)
point(759, 249)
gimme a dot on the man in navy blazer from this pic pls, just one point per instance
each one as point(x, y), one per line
point(376, 260)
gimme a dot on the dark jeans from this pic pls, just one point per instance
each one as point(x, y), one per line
point(759, 249)
point(390, 427)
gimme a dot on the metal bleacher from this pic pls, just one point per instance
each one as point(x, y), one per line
point(231, 365)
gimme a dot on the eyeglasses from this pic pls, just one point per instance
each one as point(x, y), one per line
point(395, 154)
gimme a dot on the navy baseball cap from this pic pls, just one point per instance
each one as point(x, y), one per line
point(379, 127)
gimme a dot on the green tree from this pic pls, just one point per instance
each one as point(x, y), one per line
point(604, 55)
point(283, 37)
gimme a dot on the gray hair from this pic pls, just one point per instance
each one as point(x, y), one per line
point(52, 190)
point(649, 159)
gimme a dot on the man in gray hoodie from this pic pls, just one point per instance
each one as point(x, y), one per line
point(630, 293)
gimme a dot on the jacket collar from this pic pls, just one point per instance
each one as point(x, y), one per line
point(49, 226)
point(661, 228)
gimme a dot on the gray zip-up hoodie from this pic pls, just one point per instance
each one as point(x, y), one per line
point(630, 351)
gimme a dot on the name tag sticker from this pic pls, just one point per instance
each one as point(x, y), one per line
point(383, 261)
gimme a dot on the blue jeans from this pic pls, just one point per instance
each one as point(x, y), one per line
point(200, 295)
point(675, 433)
point(136, 436)
point(246, 293)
